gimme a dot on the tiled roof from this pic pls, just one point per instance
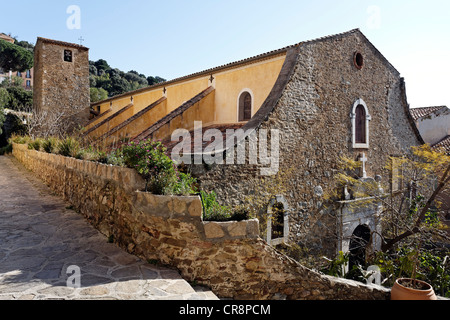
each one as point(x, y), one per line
point(62, 43)
point(5, 37)
point(443, 144)
point(418, 113)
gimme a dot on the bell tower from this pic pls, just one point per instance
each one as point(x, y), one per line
point(61, 85)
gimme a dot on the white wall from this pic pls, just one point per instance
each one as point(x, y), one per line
point(435, 126)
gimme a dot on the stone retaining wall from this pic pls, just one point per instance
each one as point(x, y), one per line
point(229, 257)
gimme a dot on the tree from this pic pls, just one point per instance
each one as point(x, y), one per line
point(102, 65)
point(14, 57)
point(98, 94)
point(4, 96)
point(425, 177)
point(19, 98)
point(411, 208)
point(154, 80)
point(25, 44)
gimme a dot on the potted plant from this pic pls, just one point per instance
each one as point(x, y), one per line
point(411, 288)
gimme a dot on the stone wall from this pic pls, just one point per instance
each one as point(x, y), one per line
point(229, 257)
point(312, 114)
point(61, 88)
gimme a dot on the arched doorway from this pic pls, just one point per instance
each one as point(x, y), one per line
point(359, 241)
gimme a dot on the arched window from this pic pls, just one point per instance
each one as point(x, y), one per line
point(245, 106)
point(277, 221)
point(360, 125)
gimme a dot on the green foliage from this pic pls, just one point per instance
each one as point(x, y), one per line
point(433, 267)
point(336, 267)
point(213, 211)
point(14, 96)
point(2, 119)
point(6, 149)
point(150, 160)
point(35, 144)
point(3, 101)
point(50, 144)
point(20, 139)
point(4, 97)
point(69, 147)
point(114, 81)
point(14, 57)
point(98, 94)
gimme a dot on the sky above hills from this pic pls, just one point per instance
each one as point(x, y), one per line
point(174, 38)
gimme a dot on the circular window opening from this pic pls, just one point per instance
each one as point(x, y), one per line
point(358, 60)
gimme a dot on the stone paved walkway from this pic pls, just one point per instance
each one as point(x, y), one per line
point(40, 238)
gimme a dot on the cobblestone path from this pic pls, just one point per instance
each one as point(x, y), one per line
point(43, 245)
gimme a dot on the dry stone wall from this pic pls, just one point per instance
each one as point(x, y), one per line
point(229, 257)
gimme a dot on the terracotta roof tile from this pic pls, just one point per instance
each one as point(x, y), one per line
point(443, 144)
point(418, 113)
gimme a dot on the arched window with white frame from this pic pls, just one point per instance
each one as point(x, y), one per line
point(360, 118)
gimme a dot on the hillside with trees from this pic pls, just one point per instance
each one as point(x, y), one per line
point(106, 81)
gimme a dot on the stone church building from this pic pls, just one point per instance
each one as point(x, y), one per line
point(321, 100)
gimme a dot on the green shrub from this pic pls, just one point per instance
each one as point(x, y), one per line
point(185, 185)
point(150, 160)
point(115, 158)
point(212, 210)
point(69, 147)
point(20, 139)
point(6, 149)
point(35, 145)
point(49, 145)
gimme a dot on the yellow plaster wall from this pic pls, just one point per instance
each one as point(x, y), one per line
point(259, 77)
point(202, 110)
point(134, 128)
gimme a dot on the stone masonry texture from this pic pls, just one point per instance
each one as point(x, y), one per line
point(61, 88)
point(230, 258)
point(313, 118)
point(41, 237)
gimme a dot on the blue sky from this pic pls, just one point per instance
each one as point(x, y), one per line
point(173, 38)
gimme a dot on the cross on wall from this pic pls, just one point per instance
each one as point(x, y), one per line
point(363, 159)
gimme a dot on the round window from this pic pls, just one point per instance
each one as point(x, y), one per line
point(358, 60)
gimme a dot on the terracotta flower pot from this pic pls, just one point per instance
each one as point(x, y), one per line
point(401, 292)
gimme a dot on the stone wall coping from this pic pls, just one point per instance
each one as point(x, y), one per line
point(128, 178)
point(187, 208)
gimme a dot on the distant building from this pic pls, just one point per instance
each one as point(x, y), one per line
point(27, 76)
point(6, 38)
point(434, 125)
